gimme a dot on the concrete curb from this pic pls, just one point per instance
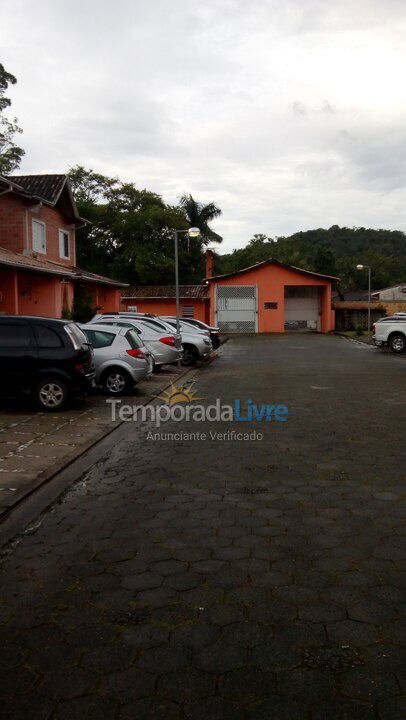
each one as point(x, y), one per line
point(37, 499)
point(359, 342)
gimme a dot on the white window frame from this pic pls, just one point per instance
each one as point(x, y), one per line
point(61, 233)
point(35, 249)
point(132, 308)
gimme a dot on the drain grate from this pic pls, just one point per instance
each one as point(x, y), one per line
point(331, 659)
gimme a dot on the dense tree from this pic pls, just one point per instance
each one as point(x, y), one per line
point(130, 232)
point(10, 152)
point(200, 215)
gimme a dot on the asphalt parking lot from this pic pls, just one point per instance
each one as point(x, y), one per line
point(210, 579)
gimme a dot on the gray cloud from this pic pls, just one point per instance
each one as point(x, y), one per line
point(288, 115)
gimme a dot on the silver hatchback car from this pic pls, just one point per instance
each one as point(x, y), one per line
point(120, 358)
point(160, 343)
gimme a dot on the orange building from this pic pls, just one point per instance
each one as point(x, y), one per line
point(38, 272)
point(271, 297)
point(160, 300)
point(267, 297)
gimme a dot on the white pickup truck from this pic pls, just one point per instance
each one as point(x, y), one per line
point(391, 331)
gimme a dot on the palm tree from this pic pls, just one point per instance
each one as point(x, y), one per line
point(199, 215)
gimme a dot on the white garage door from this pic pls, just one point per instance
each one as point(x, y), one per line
point(236, 308)
point(302, 308)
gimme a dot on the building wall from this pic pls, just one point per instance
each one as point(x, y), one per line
point(39, 295)
point(12, 223)
point(271, 281)
point(395, 293)
point(167, 306)
point(25, 293)
point(34, 293)
point(16, 217)
point(8, 292)
point(393, 307)
point(104, 298)
point(54, 221)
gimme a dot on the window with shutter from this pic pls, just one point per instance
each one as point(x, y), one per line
point(38, 237)
point(64, 244)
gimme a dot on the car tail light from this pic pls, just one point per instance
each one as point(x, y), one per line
point(136, 352)
point(170, 340)
point(373, 328)
point(79, 366)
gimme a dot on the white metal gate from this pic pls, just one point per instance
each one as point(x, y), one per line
point(236, 308)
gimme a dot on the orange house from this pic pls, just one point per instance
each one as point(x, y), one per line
point(160, 300)
point(271, 297)
point(38, 272)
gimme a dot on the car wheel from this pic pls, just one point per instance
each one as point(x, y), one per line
point(215, 343)
point(116, 382)
point(156, 368)
point(51, 394)
point(397, 343)
point(190, 355)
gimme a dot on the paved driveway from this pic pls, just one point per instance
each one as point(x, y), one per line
point(36, 445)
point(217, 579)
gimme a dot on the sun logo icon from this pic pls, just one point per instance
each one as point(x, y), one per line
point(183, 394)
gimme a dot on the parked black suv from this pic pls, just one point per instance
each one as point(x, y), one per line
point(48, 359)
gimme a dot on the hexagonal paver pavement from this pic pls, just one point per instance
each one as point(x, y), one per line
point(187, 579)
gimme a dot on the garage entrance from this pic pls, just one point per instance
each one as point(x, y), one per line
point(302, 308)
point(236, 308)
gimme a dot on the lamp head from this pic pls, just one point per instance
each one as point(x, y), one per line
point(360, 267)
point(193, 232)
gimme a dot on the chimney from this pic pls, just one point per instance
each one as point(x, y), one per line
point(209, 264)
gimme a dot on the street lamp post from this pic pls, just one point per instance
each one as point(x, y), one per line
point(368, 267)
point(192, 233)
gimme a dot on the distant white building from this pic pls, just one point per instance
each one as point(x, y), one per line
point(396, 293)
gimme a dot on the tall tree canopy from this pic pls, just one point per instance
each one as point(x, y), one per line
point(130, 235)
point(200, 215)
point(10, 152)
point(335, 251)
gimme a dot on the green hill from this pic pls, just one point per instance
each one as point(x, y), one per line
point(335, 251)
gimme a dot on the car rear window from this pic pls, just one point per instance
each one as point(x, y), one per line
point(17, 335)
point(153, 324)
point(99, 338)
point(134, 339)
point(148, 328)
point(120, 323)
point(77, 332)
point(47, 338)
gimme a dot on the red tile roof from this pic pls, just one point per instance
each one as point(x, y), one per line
point(146, 292)
point(34, 263)
point(47, 187)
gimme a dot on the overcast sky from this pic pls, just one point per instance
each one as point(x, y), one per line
point(289, 115)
